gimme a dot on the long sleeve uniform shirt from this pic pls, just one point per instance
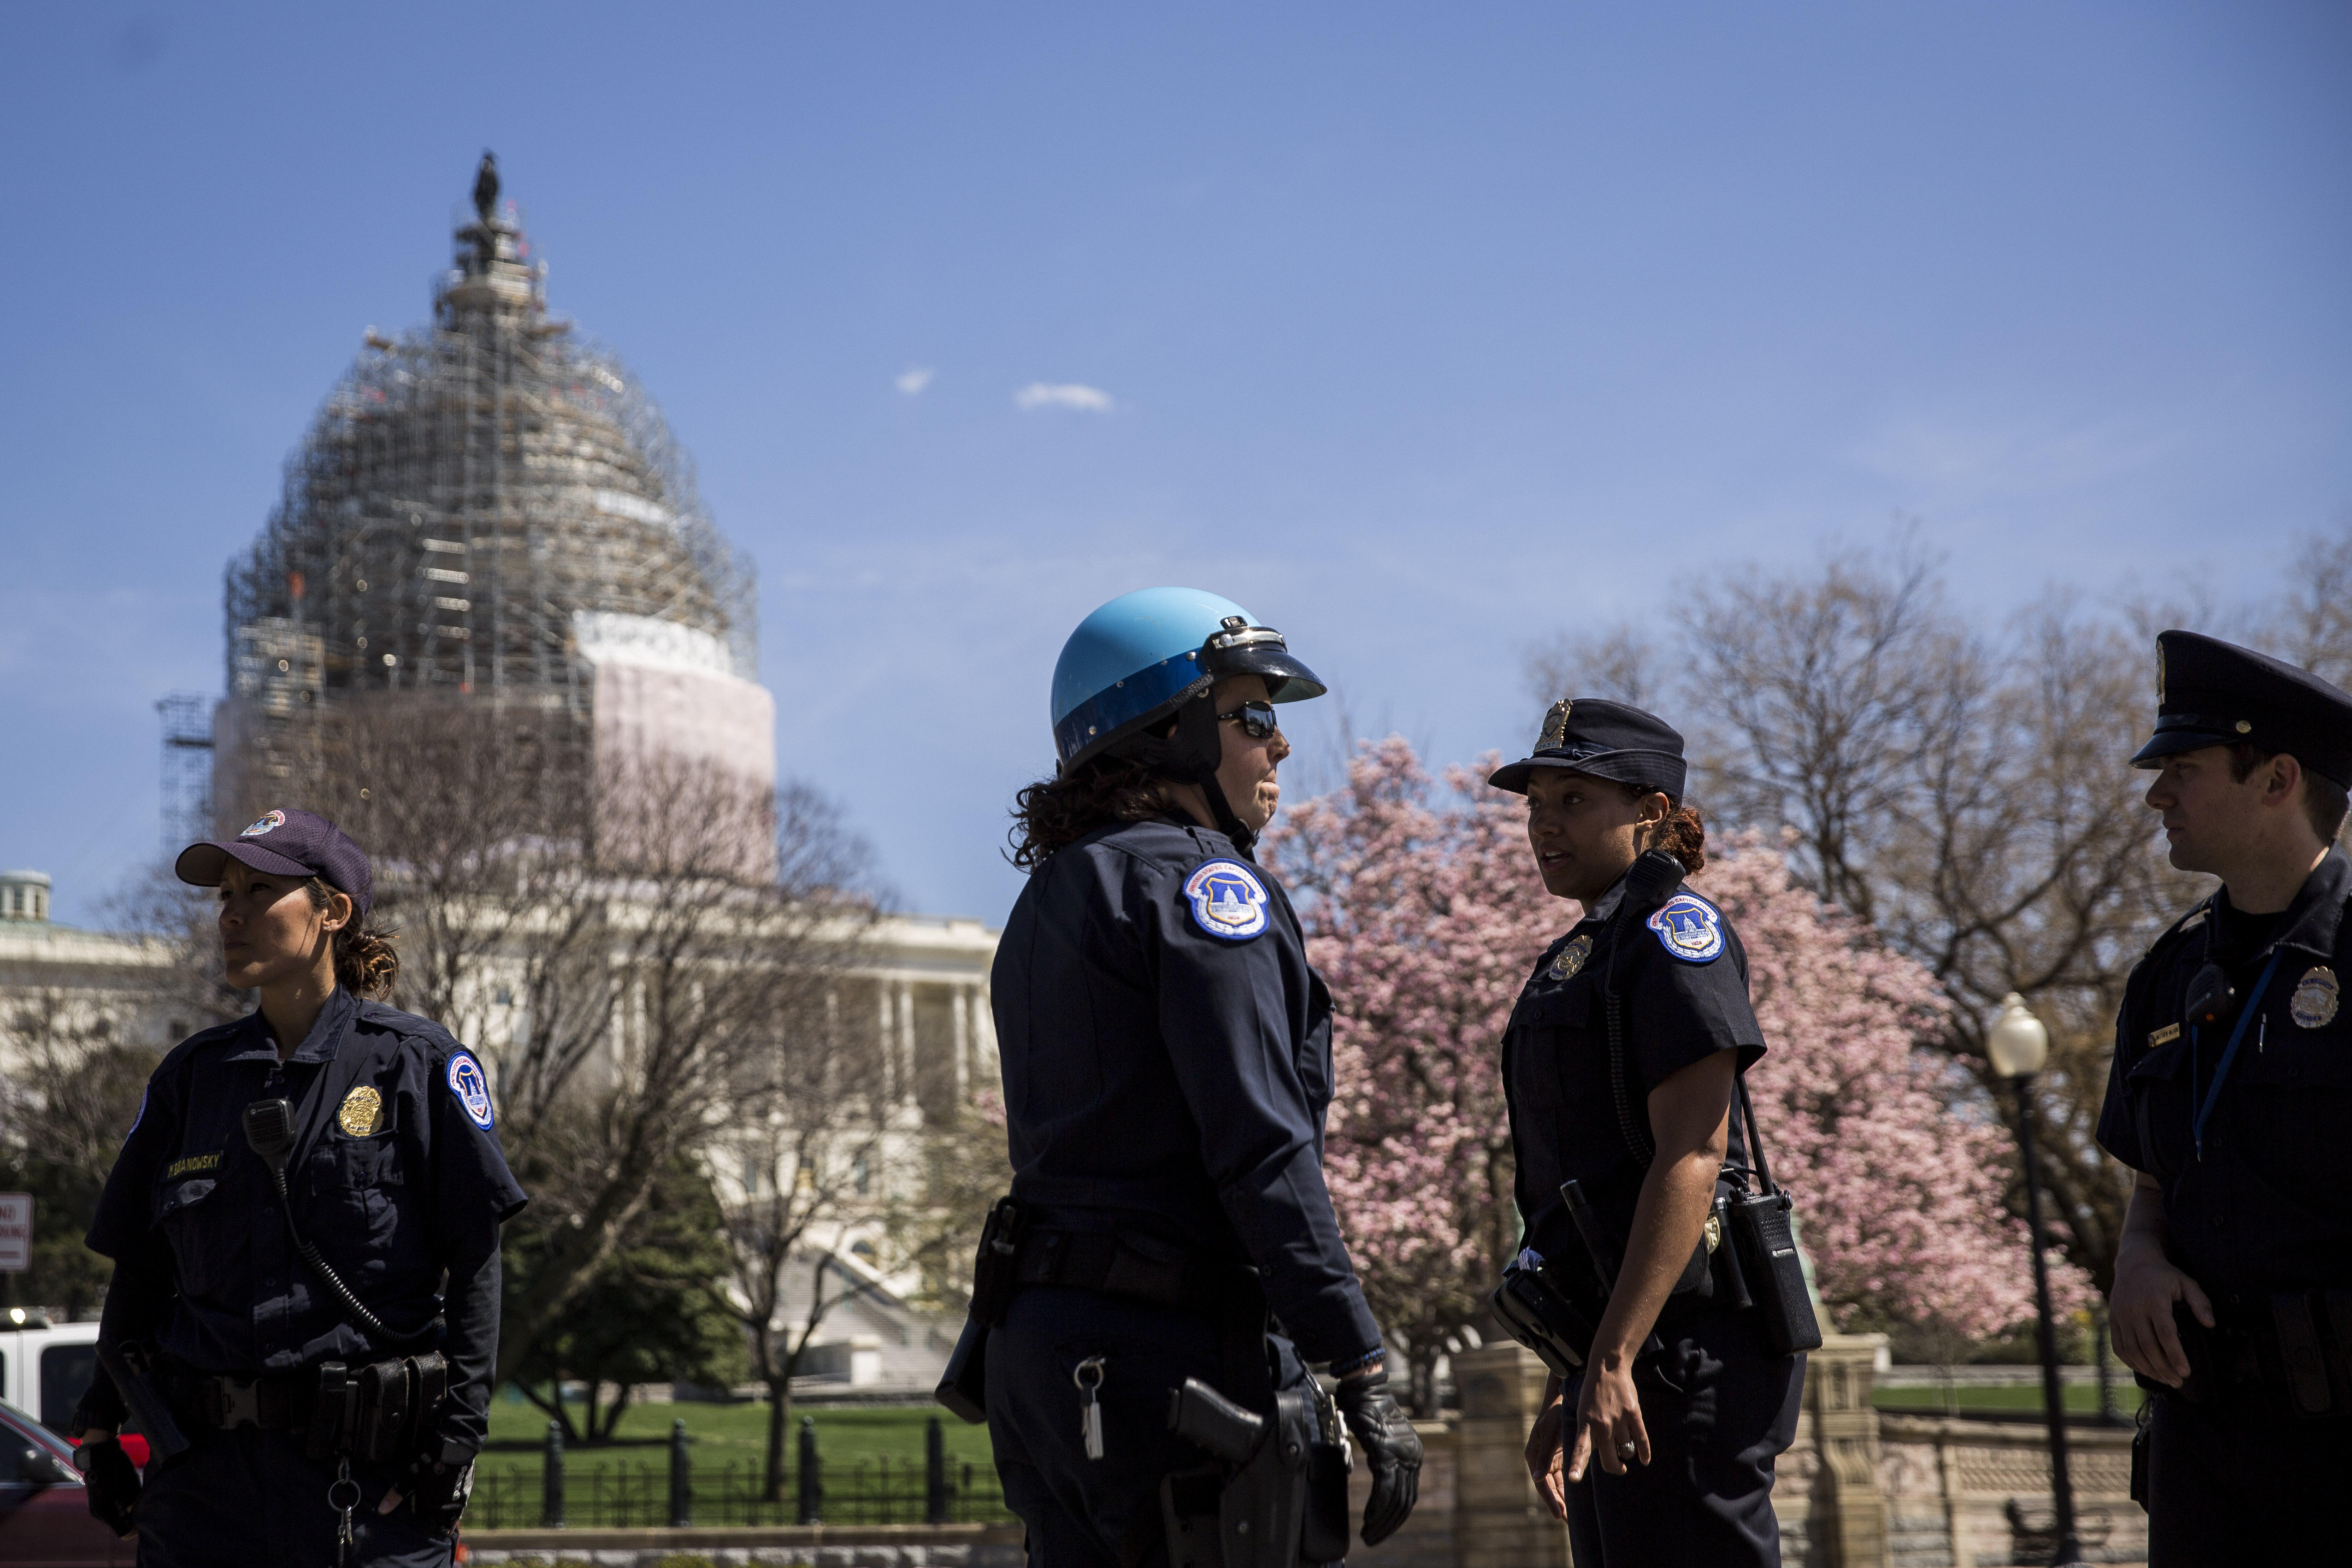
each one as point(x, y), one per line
point(1167, 1057)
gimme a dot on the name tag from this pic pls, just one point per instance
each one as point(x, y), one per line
point(2157, 1037)
point(191, 1165)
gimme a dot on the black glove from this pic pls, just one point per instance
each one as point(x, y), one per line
point(1390, 1445)
point(112, 1483)
point(437, 1485)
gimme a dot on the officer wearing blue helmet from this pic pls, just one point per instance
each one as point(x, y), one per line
point(1167, 1059)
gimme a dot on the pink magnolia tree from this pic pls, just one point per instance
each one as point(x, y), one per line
point(1423, 911)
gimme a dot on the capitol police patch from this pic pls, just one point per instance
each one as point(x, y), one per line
point(472, 1089)
point(1227, 899)
point(1689, 928)
point(268, 822)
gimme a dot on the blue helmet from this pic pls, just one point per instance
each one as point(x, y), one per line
point(1144, 656)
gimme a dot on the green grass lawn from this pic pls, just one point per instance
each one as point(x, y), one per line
point(857, 1450)
point(2026, 1399)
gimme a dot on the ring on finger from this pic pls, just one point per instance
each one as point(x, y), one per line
point(1626, 1450)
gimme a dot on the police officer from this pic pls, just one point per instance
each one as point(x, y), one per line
point(1167, 1060)
point(285, 1304)
point(2231, 1096)
point(1662, 1450)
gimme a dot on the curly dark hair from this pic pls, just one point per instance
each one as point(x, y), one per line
point(1683, 832)
point(1056, 812)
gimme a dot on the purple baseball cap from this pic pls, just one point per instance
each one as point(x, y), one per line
point(285, 844)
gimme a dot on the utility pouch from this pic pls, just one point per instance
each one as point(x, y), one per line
point(994, 1270)
point(963, 1387)
point(1731, 1280)
point(332, 1411)
point(383, 1411)
point(1775, 1273)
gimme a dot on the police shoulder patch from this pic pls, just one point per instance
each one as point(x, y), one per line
point(1690, 928)
point(1227, 899)
point(472, 1089)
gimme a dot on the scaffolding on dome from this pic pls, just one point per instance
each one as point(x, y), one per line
point(472, 497)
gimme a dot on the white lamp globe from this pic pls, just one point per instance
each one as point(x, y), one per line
point(2018, 1044)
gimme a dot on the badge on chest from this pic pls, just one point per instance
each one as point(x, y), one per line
point(1569, 960)
point(361, 1115)
point(2312, 1006)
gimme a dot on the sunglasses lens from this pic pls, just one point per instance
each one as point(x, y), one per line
point(1257, 720)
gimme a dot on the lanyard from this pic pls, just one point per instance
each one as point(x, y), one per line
point(2229, 1052)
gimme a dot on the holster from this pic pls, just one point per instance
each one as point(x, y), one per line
point(963, 1387)
point(1279, 1496)
point(1535, 1310)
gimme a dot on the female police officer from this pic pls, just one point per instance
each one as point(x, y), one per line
point(1684, 1431)
point(281, 1219)
point(1167, 1059)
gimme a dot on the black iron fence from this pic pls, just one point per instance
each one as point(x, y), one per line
point(679, 1492)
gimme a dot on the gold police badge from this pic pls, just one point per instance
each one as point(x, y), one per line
point(1555, 726)
point(2316, 996)
point(361, 1114)
point(1571, 958)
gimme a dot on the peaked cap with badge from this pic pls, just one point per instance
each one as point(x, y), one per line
point(1605, 740)
point(2213, 693)
point(285, 843)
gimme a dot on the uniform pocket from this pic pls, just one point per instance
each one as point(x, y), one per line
point(191, 1227)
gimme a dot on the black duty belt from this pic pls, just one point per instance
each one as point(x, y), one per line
point(275, 1402)
point(1095, 1261)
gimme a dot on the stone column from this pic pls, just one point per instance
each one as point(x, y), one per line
point(959, 1009)
point(910, 1074)
point(1849, 1515)
point(1499, 1522)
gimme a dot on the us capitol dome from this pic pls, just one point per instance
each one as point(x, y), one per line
point(490, 508)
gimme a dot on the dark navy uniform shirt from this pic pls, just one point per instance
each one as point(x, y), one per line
point(1167, 1055)
point(2264, 1209)
point(1681, 977)
point(396, 1175)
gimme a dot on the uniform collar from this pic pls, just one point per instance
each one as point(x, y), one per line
point(2317, 916)
point(326, 1035)
point(1606, 904)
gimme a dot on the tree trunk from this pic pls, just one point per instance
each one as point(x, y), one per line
point(779, 1420)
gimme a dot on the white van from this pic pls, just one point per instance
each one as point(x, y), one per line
point(45, 1370)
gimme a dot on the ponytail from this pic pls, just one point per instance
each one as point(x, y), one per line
point(365, 962)
point(1681, 833)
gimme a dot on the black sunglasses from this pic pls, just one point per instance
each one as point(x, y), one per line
point(1256, 720)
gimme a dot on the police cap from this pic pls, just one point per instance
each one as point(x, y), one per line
point(285, 844)
point(2213, 693)
point(1606, 739)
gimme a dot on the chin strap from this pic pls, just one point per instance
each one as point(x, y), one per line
point(1192, 753)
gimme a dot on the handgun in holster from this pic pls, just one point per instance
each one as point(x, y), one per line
point(1537, 1308)
point(1277, 1496)
point(127, 1366)
point(963, 1387)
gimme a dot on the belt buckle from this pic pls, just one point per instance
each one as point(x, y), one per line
point(240, 1403)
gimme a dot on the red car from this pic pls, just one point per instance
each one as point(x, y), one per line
point(45, 1519)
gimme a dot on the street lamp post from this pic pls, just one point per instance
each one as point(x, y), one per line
point(2019, 1047)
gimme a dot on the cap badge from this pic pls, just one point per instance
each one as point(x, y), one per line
point(2316, 996)
point(268, 822)
point(1571, 958)
point(1227, 899)
point(361, 1115)
point(1689, 928)
point(472, 1089)
point(1555, 726)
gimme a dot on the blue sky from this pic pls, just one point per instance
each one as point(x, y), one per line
point(1427, 331)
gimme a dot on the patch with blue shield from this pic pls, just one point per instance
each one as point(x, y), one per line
point(472, 1089)
point(1227, 899)
point(1690, 928)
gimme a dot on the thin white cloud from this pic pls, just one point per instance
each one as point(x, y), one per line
point(1063, 394)
point(912, 381)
